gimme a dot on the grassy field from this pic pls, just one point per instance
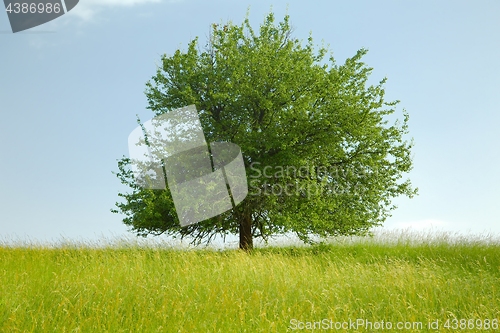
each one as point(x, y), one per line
point(348, 286)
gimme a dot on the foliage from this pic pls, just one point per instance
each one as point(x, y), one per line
point(289, 107)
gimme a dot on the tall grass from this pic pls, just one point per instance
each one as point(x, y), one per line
point(276, 289)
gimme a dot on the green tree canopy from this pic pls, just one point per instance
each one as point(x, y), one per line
point(320, 155)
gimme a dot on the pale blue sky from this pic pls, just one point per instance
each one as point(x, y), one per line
point(70, 90)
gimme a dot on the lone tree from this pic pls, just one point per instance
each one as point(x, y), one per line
point(321, 157)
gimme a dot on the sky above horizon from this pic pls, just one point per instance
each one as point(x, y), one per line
point(71, 89)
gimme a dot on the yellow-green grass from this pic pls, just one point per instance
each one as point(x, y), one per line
point(151, 289)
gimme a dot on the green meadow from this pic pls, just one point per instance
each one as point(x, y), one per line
point(361, 285)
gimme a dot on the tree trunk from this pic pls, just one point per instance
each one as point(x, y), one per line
point(246, 239)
